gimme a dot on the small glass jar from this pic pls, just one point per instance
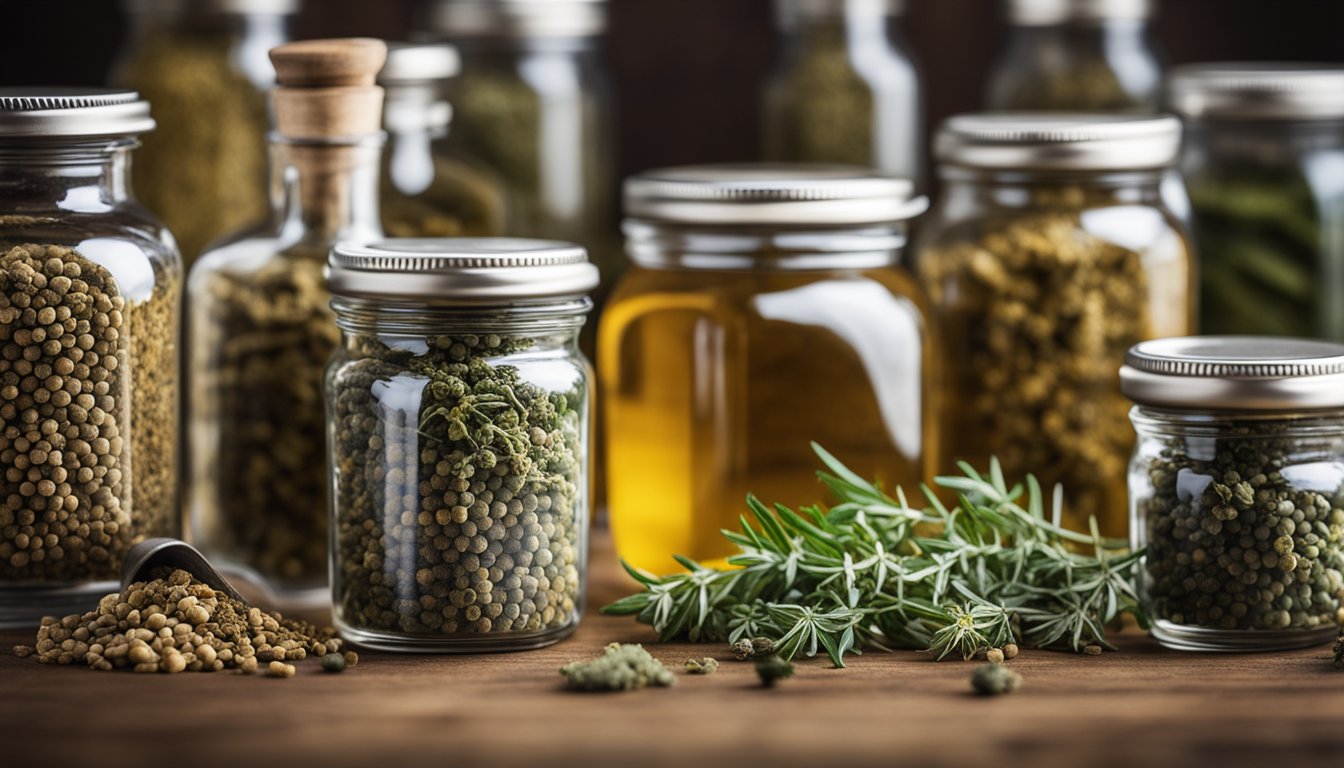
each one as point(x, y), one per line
point(1264, 161)
point(457, 415)
point(1072, 55)
point(1237, 490)
point(767, 309)
point(203, 65)
point(90, 287)
point(1048, 255)
point(845, 89)
point(429, 188)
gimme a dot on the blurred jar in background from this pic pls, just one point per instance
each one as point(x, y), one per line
point(1077, 55)
point(428, 187)
point(203, 66)
point(844, 89)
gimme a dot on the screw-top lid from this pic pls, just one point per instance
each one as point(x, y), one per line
point(238, 7)
point(411, 63)
point(783, 194)
point(326, 87)
point(518, 18)
point(1058, 141)
point(1235, 373)
point(462, 270)
point(1046, 12)
point(1258, 91)
point(791, 12)
point(73, 112)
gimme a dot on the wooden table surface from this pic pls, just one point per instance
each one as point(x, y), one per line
point(1143, 706)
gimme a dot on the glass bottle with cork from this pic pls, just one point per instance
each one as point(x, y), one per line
point(261, 328)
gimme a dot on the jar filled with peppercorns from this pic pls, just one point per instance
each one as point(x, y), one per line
point(1237, 490)
point(89, 296)
point(458, 416)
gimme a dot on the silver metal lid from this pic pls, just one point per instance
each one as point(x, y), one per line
point(1058, 141)
point(750, 194)
point(519, 18)
point(239, 7)
point(1235, 373)
point(72, 112)
point(791, 12)
point(1048, 12)
point(462, 270)
point(1255, 91)
point(419, 63)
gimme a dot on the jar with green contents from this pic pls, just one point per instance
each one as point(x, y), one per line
point(1264, 162)
point(90, 289)
point(1077, 55)
point(1237, 490)
point(1048, 255)
point(429, 188)
point(203, 65)
point(845, 89)
point(458, 418)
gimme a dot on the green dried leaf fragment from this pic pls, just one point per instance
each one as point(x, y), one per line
point(623, 667)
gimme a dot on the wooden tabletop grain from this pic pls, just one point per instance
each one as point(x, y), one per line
point(1143, 706)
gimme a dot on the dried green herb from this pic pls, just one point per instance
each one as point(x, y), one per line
point(458, 483)
point(1239, 538)
point(750, 648)
point(704, 666)
point(872, 571)
point(622, 667)
point(459, 201)
point(994, 680)
point(771, 668)
point(1086, 84)
point(88, 411)
point(822, 109)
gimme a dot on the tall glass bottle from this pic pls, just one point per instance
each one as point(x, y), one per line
point(1077, 55)
point(203, 65)
point(261, 328)
point(845, 89)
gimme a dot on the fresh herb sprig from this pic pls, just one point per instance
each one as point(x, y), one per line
point(874, 572)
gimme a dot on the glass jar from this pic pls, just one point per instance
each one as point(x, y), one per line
point(1264, 161)
point(1049, 254)
point(766, 309)
point(429, 188)
point(1077, 55)
point(845, 89)
point(89, 298)
point(203, 65)
point(457, 415)
point(531, 102)
point(261, 331)
point(1237, 490)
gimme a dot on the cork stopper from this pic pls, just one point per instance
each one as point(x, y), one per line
point(326, 88)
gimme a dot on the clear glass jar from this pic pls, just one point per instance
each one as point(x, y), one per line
point(1264, 161)
point(430, 188)
point(1066, 55)
point(90, 288)
point(844, 89)
point(1049, 254)
point(531, 102)
point(1237, 490)
point(766, 309)
point(458, 417)
point(261, 331)
point(203, 65)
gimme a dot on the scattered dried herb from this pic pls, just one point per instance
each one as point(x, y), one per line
point(622, 667)
point(874, 571)
point(771, 668)
point(821, 110)
point(333, 662)
point(757, 646)
point(994, 680)
point(704, 666)
point(1339, 651)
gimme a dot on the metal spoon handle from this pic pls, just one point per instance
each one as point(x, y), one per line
point(172, 553)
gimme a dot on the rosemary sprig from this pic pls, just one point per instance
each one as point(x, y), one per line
point(873, 571)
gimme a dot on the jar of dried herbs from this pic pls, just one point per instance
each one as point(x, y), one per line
point(1072, 55)
point(1049, 254)
point(89, 299)
point(844, 89)
point(261, 327)
point(1263, 160)
point(457, 415)
point(429, 187)
point(767, 308)
point(203, 65)
point(1237, 490)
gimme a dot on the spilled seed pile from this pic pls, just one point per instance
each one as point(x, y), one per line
point(622, 667)
point(178, 624)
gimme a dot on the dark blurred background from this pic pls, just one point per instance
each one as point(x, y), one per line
point(686, 73)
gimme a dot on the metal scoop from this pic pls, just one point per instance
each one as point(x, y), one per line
point(172, 553)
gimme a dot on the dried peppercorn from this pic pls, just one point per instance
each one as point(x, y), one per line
point(994, 680)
